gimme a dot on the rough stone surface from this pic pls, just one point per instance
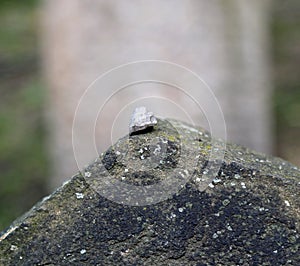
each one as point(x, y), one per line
point(248, 214)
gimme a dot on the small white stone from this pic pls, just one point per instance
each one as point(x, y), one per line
point(13, 247)
point(287, 203)
point(125, 170)
point(215, 235)
point(118, 153)
point(157, 150)
point(83, 251)
point(211, 185)
point(217, 180)
point(87, 174)
point(79, 195)
point(180, 209)
point(123, 177)
point(243, 185)
point(225, 202)
point(229, 228)
point(141, 119)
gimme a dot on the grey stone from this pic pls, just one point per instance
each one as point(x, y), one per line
point(141, 119)
point(245, 214)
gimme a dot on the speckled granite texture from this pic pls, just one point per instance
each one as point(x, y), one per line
point(246, 214)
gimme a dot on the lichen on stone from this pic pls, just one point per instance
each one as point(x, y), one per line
point(248, 213)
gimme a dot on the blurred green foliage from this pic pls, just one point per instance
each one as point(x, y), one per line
point(5, 4)
point(287, 104)
point(23, 157)
point(18, 33)
point(286, 61)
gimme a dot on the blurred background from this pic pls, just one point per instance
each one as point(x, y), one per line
point(47, 59)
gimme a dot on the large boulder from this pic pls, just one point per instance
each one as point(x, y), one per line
point(166, 196)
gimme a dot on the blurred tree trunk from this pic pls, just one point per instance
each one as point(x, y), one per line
point(224, 42)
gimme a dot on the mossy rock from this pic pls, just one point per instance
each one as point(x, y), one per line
point(163, 198)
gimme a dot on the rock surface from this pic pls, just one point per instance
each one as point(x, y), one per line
point(165, 198)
